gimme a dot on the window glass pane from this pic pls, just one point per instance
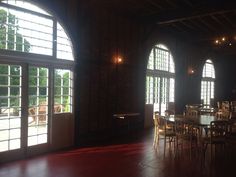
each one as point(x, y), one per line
point(14, 91)
point(151, 60)
point(3, 91)
point(3, 80)
point(14, 133)
point(15, 112)
point(4, 102)
point(4, 135)
point(33, 71)
point(14, 102)
point(3, 69)
point(14, 144)
point(15, 123)
point(65, 90)
point(3, 145)
point(64, 47)
point(15, 70)
point(43, 72)
point(43, 91)
point(15, 80)
point(57, 90)
point(32, 130)
point(32, 140)
point(42, 138)
point(62, 90)
point(4, 124)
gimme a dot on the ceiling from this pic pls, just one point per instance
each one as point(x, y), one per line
point(200, 20)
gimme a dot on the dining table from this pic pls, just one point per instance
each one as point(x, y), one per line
point(201, 121)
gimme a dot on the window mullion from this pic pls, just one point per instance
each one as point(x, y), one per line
point(54, 36)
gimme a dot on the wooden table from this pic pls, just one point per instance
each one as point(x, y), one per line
point(130, 118)
point(125, 115)
point(200, 120)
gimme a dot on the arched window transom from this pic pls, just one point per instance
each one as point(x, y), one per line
point(25, 27)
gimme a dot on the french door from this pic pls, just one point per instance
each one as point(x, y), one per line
point(26, 114)
point(24, 92)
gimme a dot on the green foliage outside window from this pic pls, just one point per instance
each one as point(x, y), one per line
point(10, 38)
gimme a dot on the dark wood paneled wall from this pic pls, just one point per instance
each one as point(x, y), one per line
point(104, 88)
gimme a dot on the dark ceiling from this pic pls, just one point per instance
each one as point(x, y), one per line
point(198, 20)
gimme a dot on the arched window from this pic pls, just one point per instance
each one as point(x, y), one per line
point(160, 78)
point(36, 76)
point(208, 83)
point(32, 31)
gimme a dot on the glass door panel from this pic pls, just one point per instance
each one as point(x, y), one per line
point(10, 107)
point(172, 90)
point(63, 91)
point(38, 106)
point(163, 89)
point(156, 106)
point(207, 92)
point(164, 94)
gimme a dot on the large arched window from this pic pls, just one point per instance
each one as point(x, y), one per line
point(36, 77)
point(32, 31)
point(208, 83)
point(160, 79)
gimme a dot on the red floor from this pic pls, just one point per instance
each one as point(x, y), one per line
point(135, 159)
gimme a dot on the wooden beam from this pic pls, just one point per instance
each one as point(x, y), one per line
point(199, 26)
point(228, 20)
point(217, 20)
point(193, 17)
point(208, 25)
point(178, 28)
point(187, 25)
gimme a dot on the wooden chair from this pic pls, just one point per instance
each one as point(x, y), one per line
point(57, 108)
point(169, 112)
point(192, 112)
point(231, 138)
point(217, 136)
point(32, 114)
point(42, 112)
point(186, 134)
point(233, 110)
point(164, 130)
point(171, 107)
